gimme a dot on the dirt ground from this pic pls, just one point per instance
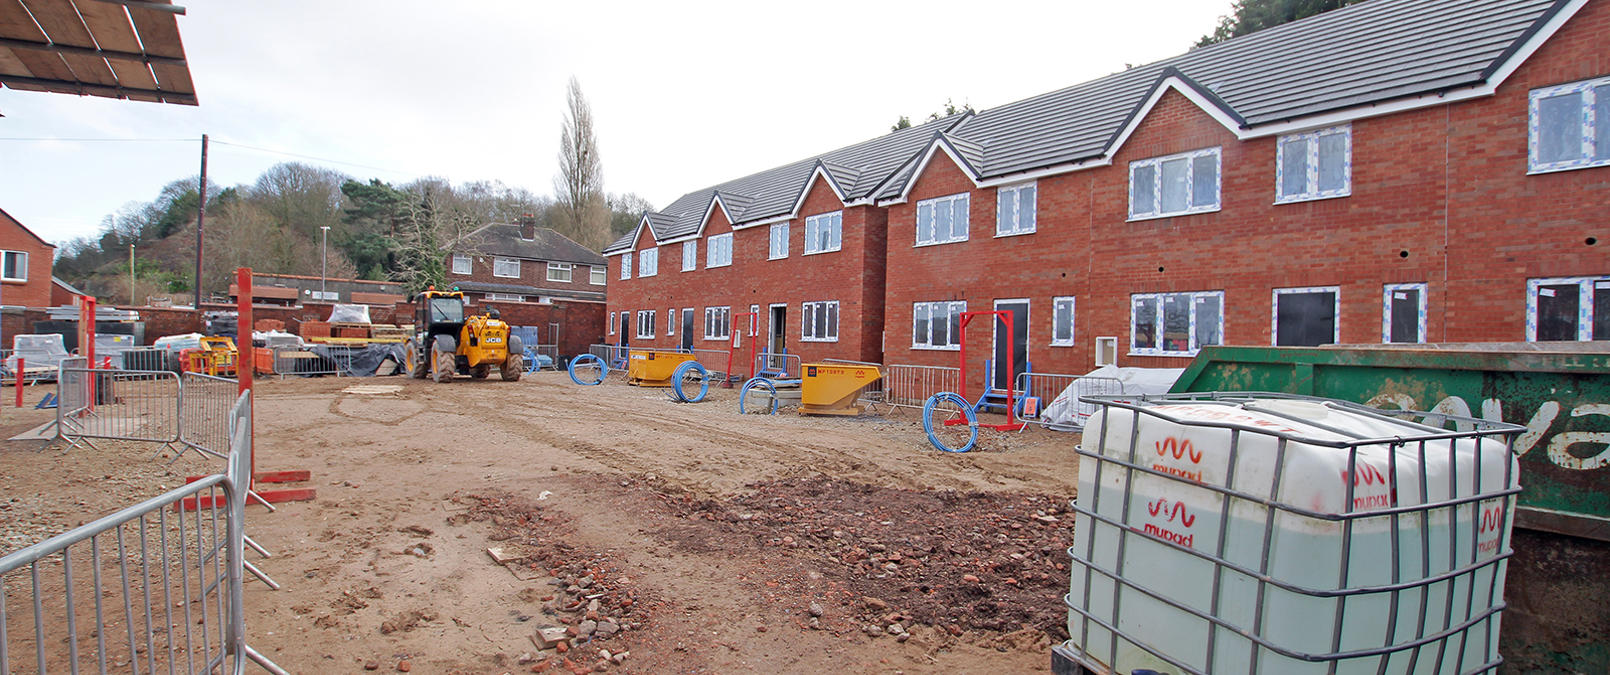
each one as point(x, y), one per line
point(690, 537)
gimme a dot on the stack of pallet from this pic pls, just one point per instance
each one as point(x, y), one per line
point(349, 331)
point(385, 332)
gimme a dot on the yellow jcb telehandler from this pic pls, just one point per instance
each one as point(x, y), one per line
point(446, 343)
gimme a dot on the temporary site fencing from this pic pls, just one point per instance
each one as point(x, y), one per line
point(1037, 392)
point(152, 583)
point(183, 411)
point(911, 386)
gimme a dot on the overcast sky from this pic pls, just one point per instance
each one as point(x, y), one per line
point(685, 94)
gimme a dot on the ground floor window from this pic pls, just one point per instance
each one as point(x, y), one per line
point(1306, 317)
point(1568, 308)
point(1062, 322)
point(819, 321)
point(670, 321)
point(1403, 313)
point(505, 297)
point(645, 324)
point(717, 323)
point(611, 323)
point(1175, 324)
point(937, 325)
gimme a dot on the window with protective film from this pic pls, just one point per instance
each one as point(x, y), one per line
point(1175, 324)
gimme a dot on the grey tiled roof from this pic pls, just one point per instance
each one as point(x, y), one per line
point(857, 169)
point(1365, 53)
point(1362, 54)
point(504, 239)
point(521, 289)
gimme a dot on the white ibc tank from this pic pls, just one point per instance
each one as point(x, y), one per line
point(1285, 535)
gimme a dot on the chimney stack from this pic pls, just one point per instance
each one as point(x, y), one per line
point(528, 226)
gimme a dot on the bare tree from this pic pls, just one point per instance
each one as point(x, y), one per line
point(583, 213)
point(433, 227)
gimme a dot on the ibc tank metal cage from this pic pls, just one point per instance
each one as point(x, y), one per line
point(1433, 608)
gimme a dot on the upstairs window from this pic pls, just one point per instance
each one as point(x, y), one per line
point(942, 220)
point(1175, 324)
point(648, 262)
point(1568, 308)
point(596, 275)
point(937, 325)
point(1062, 322)
point(717, 323)
point(1174, 185)
point(1014, 210)
point(1569, 126)
point(461, 264)
point(560, 272)
point(1306, 317)
point(823, 233)
point(720, 251)
point(1314, 165)
point(626, 265)
point(779, 242)
point(508, 268)
point(819, 321)
point(690, 256)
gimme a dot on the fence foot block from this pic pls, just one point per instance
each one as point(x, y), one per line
point(270, 496)
point(294, 476)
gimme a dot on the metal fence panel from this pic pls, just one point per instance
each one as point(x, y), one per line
point(204, 412)
point(149, 588)
point(303, 361)
point(783, 365)
point(910, 386)
point(1047, 387)
point(120, 404)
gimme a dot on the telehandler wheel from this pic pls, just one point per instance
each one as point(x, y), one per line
point(416, 362)
point(512, 367)
point(480, 372)
point(444, 368)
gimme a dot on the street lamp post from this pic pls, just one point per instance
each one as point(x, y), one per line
point(324, 257)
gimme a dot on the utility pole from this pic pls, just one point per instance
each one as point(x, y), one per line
point(324, 257)
point(131, 276)
point(201, 219)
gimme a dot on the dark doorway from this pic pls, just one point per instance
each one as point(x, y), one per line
point(778, 343)
point(626, 323)
point(1003, 378)
point(687, 329)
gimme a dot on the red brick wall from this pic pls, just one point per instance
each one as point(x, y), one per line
point(532, 273)
point(851, 275)
point(35, 292)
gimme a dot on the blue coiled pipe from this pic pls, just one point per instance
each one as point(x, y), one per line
point(682, 372)
point(584, 359)
point(967, 411)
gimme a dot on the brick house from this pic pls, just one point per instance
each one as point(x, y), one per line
point(520, 262)
point(798, 246)
point(1341, 179)
point(25, 279)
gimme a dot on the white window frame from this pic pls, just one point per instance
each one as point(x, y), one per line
point(1274, 310)
point(718, 323)
point(645, 324)
point(834, 223)
point(504, 297)
point(326, 296)
point(670, 321)
point(611, 323)
point(830, 322)
point(1190, 183)
point(948, 200)
point(953, 342)
point(626, 265)
point(463, 264)
point(556, 268)
point(777, 241)
point(597, 276)
point(690, 256)
point(1586, 288)
point(1056, 304)
point(721, 243)
point(497, 262)
point(1195, 299)
point(648, 262)
point(1311, 141)
point(1386, 310)
point(1017, 226)
point(1588, 91)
